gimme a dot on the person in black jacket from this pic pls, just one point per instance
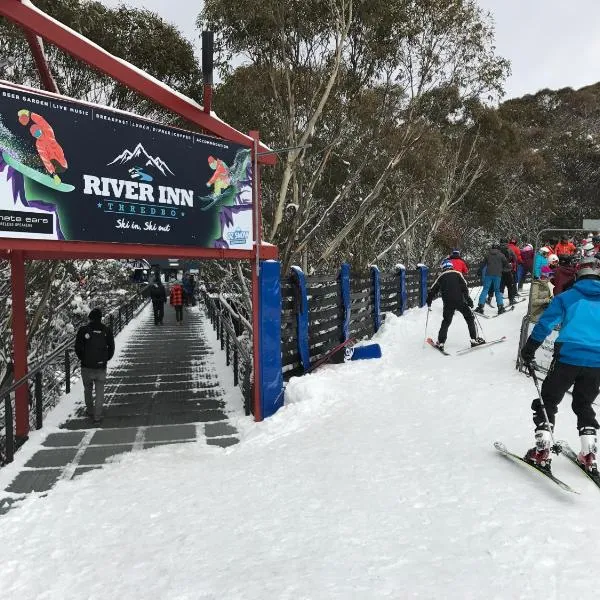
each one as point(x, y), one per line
point(158, 295)
point(94, 346)
point(455, 295)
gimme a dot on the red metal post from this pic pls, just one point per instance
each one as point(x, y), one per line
point(37, 50)
point(19, 331)
point(257, 229)
point(207, 100)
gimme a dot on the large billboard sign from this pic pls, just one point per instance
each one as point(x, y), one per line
point(75, 171)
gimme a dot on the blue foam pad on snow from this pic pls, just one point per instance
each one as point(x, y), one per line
point(368, 351)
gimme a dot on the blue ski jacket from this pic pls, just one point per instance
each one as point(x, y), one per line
point(578, 312)
point(539, 262)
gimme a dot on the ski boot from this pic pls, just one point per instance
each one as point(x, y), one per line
point(477, 342)
point(587, 456)
point(479, 309)
point(439, 345)
point(489, 302)
point(501, 309)
point(539, 456)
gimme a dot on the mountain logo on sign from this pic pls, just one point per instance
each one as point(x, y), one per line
point(139, 155)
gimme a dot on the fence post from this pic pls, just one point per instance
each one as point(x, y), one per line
point(402, 293)
point(227, 361)
point(217, 324)
point(39, 412)
point(222, 331)
point(111, 323)
point(67, 372)
point(344, 278)
point(376, 290)
point(10, 434)
point(235, 364)
point(301, 306)
point(423, 272)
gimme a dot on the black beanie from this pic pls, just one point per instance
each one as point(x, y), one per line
point(95, 315)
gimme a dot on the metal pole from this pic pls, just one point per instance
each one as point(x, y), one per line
point(19, 334)
point(39, 412)
point(67, 371)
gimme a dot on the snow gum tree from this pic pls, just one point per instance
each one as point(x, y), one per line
point(368, 85)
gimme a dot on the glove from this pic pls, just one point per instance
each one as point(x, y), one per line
point(470, 302)
point(528, 350)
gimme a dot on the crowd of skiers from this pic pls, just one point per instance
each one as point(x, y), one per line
point(565, 294)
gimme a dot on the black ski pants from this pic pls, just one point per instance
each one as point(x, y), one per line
point(585, 382)
point(448, 314)
point(158, 307)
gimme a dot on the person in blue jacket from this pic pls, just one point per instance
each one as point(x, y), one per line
point(540, 260)
point(576, 363)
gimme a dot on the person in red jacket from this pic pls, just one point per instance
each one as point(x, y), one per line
point(458, 263)
point(176, 300)
point(512, 244)
point(564, 247)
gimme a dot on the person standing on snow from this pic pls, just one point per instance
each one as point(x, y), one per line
point(541, 260)
point(158, 295)
point(455, 296)
point(458, 263)
point(576, 363)
point(494, 264)
point(176, 299)
point(94, 346)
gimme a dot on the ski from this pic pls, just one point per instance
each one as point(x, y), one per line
point(433, 345)
point(516, 458)
point(569, 453)
point(465, 350)
point(496, 315)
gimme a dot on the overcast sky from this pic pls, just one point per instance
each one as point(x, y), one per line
point(550, 43)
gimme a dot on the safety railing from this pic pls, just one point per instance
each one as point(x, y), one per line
point(58, 369)
point(238, 355)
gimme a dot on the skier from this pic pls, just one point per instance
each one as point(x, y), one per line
point(564, 275)
point(221, 178)
point(541, 295)
point(494, 263)
point(576, 363)
point(564, 247)
point(458, 262)
point(541, 260)
point(455, 295)
point(526, 266)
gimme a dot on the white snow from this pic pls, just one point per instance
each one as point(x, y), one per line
point(378, 479)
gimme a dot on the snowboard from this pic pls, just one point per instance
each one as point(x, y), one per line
point(36, 175)
point(336, 355)
point(496, 315)
point(465, 350)
point(518, 459)
point(569, 453)
point(432, 344)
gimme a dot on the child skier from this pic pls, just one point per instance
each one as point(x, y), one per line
point(455, 295)
point(576, 363)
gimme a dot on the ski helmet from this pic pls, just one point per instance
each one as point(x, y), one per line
point(527, 247)
point(588, 249)
point(588, 267)
point(545, 250)
point(446, 264)
point(455, 253)
point(552, 259)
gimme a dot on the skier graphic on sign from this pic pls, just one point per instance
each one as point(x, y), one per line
point(49, 150)
point(221, 178)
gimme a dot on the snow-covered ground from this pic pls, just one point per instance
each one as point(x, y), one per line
point(377, 480)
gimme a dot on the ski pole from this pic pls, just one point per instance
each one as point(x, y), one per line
point(531, 369)
point(478, 323)
point(426, 323)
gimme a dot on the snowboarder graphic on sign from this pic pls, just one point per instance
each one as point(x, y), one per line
point(49, 150)
point(221, 179)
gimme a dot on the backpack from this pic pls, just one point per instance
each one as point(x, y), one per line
point(95, 347)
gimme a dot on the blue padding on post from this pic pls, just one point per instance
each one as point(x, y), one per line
point(271, 376)
point(402, 293)
point(301, 317)
point(424, 271)
point(376, 283)
point(345, 292)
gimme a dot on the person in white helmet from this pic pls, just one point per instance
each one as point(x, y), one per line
point(576, 363)
point(541, 260)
